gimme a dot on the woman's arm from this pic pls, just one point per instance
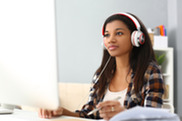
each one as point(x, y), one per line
point(69, 113)
point(154, 88)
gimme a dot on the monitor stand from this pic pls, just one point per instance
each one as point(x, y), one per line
point(6, 109)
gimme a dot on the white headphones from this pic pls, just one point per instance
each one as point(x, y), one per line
point(137, 36)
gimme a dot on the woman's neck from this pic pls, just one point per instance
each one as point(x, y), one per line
point(122, 63)
point(122, 75)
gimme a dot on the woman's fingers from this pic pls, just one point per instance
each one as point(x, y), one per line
point(107, 115)
point(44, 113)
point(108, 109)
point(108, 103)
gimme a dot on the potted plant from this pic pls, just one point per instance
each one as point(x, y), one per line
point(160, 58)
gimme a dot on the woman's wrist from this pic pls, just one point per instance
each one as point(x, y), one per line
point(69, 113)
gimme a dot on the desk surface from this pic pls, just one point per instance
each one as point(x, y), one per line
point(21, 115)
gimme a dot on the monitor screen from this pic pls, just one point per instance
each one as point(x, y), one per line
point(28, 53)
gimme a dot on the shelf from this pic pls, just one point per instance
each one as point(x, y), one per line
point(165, 74)
point(162, 49)
point(167, 70)
point(166, 100)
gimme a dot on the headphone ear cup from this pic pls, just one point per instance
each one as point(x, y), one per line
point(137, 38)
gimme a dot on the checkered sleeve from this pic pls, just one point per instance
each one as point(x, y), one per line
point(154, 87)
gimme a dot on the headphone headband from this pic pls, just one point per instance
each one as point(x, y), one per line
point(135, 21)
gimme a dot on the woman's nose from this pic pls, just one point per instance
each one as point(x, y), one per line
point(112, 39)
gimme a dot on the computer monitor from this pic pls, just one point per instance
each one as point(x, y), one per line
point(28, 53)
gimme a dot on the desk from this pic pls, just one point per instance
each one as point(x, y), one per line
point(21, 115)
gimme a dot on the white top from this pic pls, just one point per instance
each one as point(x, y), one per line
point(112, 95)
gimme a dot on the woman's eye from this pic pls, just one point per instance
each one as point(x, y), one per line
point(106, 35)
point(119, 33)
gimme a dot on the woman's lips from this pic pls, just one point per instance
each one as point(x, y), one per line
point(112, 47)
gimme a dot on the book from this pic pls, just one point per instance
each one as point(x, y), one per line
point(139, 113)
point(162, 30)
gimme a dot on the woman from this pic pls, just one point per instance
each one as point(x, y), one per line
point(128, 70)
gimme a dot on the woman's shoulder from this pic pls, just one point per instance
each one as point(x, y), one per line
point(153, 71)
point(153, 67)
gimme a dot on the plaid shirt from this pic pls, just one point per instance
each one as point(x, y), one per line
point(150, 95)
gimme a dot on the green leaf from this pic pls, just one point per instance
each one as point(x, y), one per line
point(160, 59)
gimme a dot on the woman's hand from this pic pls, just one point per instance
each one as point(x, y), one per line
point(108, 109)
point(44, 113)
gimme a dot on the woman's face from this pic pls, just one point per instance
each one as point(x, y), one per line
point(117, 39)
